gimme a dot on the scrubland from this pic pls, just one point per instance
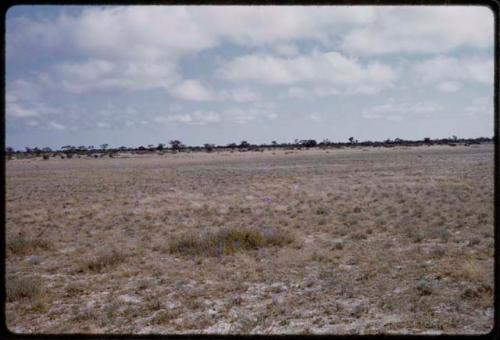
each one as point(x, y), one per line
point(349, 241)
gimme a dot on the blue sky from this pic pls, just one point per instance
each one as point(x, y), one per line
point(139, 75)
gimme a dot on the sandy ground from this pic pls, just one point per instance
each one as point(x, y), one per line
point(395, 241)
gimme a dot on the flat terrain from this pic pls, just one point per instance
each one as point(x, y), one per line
point(364, 241)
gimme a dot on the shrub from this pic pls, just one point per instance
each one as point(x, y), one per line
point(22, 288)
point(102, 261)
point(228, 240)
point(22, 244)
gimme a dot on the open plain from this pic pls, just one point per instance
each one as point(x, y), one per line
point(338, 241)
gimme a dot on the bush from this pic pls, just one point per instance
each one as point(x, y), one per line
point(22, 288)
point(227, 241)
point(22, 244)
point(102, 261)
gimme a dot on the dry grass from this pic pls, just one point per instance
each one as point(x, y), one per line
point(228, 240)
point(360, 242)
point(23, 288)
point(103, 261)
point(23, 244)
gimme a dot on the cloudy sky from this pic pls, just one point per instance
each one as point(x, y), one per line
point(139, 75)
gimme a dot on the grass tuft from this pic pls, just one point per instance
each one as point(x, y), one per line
point(98, 263)
point(21, 244)
point(228, 240)
point(23, 288)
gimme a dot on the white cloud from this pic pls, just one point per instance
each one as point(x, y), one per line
point(422, 29)
point(152, 33)
point(340, 73)
point(196, 118)
point(242, 116)
point(448, 86)
point(315, 116)
point(479, 106)
point(56, 126)
point(396, 111)
point(287, 50)
point(20, 111)
point(443, 68)
point(103, 125)
point(192, 90)
point(242, 95)
point(27, 109)
point(103, 75)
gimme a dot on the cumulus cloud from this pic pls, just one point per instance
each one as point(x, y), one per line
point(53, 125)
point(192, 90)
point(197, 118)
point(103, 75)
point(448, 86)
point(103, 125)
point(240, 95)
point(340, 73)
point(396, 111)
point(479, 106)
point(431, 29)
point(315, 116)
point(443, 68)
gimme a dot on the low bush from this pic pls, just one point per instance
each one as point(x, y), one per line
point(102, 261)
point(23, 288)
point(228, 240)
point(22, 244)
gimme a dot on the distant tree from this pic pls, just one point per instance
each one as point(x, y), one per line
point(427, 140)
point(47, 149)
point(9, 151)
point(209, 147)
point(232, 145)
point(90, 147)
point(28, 149)
point(122, 148)
point(176, 145)
point(274, 143)
point(351, 140)
point(104, 146)
point(308, 143)
point(160, 146)
point(454, 138)
point(142, 148)
point(244, 144)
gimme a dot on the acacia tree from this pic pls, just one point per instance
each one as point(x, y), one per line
point(209, 147)
point(176, 145)
point(9, 151)
point(244, 144)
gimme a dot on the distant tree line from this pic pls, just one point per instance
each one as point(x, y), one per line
point(175, 146)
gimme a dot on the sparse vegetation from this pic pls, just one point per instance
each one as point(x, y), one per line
point(18, 288)
point(178, 243)
point(24, 244)
point(104, 260)
point(228, 240)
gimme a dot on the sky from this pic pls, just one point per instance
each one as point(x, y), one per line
point(140, 75)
